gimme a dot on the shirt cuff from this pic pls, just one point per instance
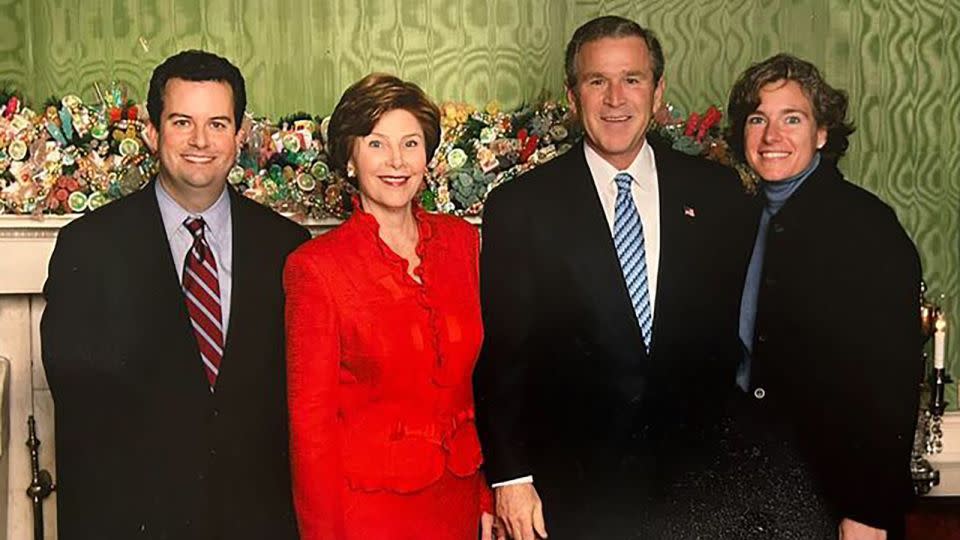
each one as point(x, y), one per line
point(515, 481)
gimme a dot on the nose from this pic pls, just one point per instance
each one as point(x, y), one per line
point(198, 137)
point(613, 95)
point(771, 132)
point(396, 157)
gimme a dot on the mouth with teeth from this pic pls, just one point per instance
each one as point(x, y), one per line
point(394, 181)
point(198, 160)
point(616, 119)
point(774, 155)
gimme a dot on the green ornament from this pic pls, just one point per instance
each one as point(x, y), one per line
point(77, 201)
point(96, 200)
point(320, 170)
point(428, 200)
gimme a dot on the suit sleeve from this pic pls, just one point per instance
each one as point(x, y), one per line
point(501, 379)
point(883, 408)
point(66, 326)
point(313, 359)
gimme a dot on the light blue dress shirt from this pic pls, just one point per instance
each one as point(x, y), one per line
point(218, 230)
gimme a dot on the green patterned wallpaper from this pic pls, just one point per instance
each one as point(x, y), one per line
point(898, 59)
point(296, 54)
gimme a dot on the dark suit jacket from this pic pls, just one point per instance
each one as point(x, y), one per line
point(564, 388)
point(837, 341)
point(144, 450)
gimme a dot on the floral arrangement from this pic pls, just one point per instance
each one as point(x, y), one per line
point(481, 149)
point(73, 157)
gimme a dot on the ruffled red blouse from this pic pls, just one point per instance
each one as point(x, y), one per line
point(379, 366)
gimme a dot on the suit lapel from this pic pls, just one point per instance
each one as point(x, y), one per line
point(670, 224)
point(591, 254)
point(163, 303)
point(679, 237)
point(239, 288)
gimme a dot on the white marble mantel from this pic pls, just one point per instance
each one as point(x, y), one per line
point(25, 248)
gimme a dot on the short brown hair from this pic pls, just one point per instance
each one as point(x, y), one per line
point(610, 26)
point(828, 103)
point(361, 107)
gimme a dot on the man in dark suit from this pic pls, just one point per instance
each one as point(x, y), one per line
point(610, 282)
point(163, 337)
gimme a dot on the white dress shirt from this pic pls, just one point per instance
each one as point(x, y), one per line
point(218, 231)
point(646, 195)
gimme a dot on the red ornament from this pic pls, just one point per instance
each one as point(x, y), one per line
point(13, 107)
point(529, 148)
point(132, 112)
point(522, 136)
point(115, 114)
point(710, 119)
point(692, 121)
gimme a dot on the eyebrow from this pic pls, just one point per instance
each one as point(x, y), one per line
point(783, 111)
point(631, 73)
point(187, 116)
point(402, 136)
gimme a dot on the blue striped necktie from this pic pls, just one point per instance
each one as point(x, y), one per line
point(628, 239)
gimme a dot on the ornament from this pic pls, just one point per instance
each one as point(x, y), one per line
point(17, 150)
point(236, 175)
point(306, 182)
point(100, 131)
point(77, 201)
point(456, 158)
point(488, 135)
point(291, 143)
point(96, 200)
point(320, 170)
point(129, 147)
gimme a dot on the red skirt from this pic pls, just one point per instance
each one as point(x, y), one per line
point(448, 509)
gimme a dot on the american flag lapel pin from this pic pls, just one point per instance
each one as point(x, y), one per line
point(690, 212)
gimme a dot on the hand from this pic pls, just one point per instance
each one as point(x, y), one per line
point(491, 527)
point(854, 530)
point(519, 507)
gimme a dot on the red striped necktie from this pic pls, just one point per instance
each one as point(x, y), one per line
point(202, 291)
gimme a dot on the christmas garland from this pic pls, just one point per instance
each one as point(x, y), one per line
point(73, 157)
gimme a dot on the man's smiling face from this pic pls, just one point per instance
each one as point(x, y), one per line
point(615, 96)
point(197, 139)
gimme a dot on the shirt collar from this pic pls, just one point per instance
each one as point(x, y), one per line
point(641, 169)
point(216, 217)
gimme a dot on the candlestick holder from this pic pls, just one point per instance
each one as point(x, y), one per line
point(939, 380)
point(928, 437)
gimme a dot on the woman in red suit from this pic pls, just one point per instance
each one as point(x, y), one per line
point(383, 329)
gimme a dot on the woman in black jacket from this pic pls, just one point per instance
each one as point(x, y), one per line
point(829, 314)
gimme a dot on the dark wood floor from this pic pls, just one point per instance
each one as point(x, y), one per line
point(935, 518)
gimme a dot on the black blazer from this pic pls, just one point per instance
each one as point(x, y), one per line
point(837, 342)
point(144, 450)
point(564, 388)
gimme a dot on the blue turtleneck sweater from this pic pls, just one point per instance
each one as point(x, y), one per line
point(775, 196)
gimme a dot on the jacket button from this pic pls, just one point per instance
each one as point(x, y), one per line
point(770, 282)
point(777, 228)
point(762, 338)
point(759, 393)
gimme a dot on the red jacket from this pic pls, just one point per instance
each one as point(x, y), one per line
point(379, 367)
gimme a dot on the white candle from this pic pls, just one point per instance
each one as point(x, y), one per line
point(939, 341)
